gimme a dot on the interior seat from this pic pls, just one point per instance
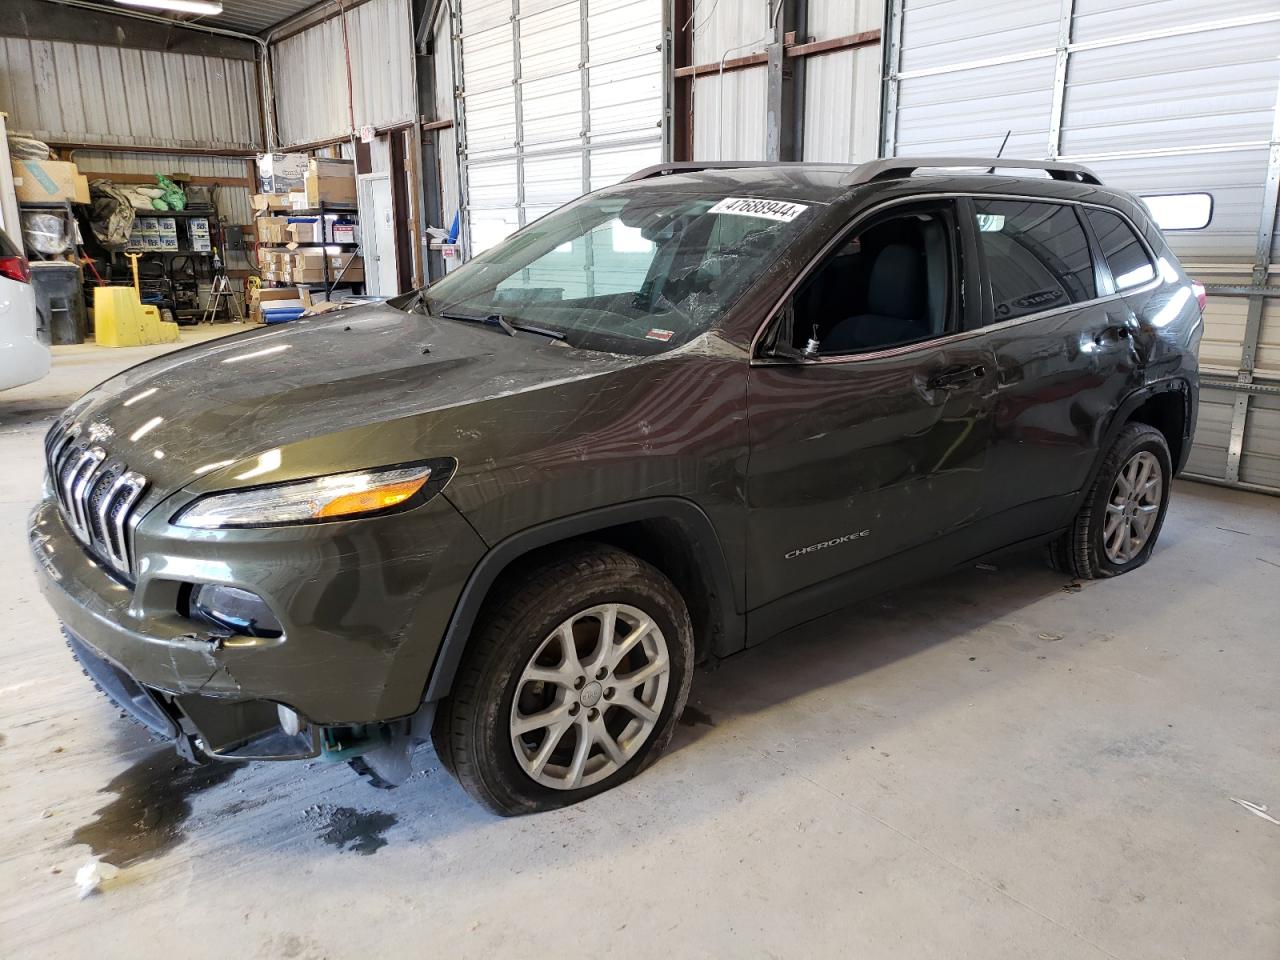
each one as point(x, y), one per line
point(896, 301)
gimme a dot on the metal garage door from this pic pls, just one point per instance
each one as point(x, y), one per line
point(1157, 96)
point(556, 99)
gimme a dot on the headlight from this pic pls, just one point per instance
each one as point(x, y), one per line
point(336, 497)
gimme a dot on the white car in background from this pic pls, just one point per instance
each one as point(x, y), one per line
point(23, 357)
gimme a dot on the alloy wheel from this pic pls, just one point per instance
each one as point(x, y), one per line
point(1133, 507)
point(590, 696)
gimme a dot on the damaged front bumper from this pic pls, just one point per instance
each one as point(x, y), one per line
point(342, 681)
point(248, 730)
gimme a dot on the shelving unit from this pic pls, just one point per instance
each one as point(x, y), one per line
point(322, 211)
point(184, 288)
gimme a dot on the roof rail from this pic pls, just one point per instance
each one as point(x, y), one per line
point(696, 166)
point(894, 168)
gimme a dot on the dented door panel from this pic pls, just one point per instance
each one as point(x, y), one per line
point(864, 447)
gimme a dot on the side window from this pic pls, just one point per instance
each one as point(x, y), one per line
point(887, 284)
point(1037, 256)
point(1125, 254)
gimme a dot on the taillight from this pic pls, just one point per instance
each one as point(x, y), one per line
point(15, 268)
point(1201, 297)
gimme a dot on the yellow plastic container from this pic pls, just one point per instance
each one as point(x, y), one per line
point(120, 320)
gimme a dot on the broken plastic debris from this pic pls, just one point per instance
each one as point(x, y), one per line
point(1260, 809)
point(91, 875)
point(1050, 636)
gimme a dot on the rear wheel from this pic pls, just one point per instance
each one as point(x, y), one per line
point(1121, 517)
point(572, 682)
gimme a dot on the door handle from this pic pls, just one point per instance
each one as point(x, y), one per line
point(954, 377)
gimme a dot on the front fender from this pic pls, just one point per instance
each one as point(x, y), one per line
point(703, 538)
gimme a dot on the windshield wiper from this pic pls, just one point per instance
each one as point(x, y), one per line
point(498, 320)
point(490, 320)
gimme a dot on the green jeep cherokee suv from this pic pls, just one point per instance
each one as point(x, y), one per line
point(511, 511)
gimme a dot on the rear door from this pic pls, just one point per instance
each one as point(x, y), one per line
point(1064, 356)
point(873, 442)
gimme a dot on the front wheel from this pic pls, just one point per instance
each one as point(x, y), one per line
point(572, 683)
point(1120, 519)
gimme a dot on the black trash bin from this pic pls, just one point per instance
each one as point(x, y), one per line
point(59, 301)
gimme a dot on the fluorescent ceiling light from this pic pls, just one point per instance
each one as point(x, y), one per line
point(203, 7)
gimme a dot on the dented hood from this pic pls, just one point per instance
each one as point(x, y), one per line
point(230, 399)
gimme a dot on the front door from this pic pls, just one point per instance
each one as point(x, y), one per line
point(870, 439)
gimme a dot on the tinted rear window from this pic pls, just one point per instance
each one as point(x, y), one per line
point(1126, 256)
point(1037, 256)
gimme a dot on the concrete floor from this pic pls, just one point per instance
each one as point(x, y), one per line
point(1002, 764)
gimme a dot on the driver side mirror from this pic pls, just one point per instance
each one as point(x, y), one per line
point(779, 342)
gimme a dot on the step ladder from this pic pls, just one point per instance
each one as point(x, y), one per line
point(221, 290)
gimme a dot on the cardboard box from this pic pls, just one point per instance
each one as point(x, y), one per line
point(348, 266)
point(272, 229)
point(282, 172)
point(312, 260)
point(49, 181)
point(309, 276)
point(344, 231)
point(145, 226)
point(285, 296)
point(306, 231)
point(330, 181)
point(330, 190)
point(331, 167)
point(270, 201)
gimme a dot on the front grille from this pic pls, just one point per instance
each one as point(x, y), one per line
point(97, 496)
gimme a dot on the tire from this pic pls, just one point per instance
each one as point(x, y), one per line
point(580, 589)
point(1086, 550)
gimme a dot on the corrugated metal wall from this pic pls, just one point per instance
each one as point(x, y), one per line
point(310, 76)
point(559, 97)
point(86, 93)
point(1157, 96)
point(729, 109)
point(842, 87)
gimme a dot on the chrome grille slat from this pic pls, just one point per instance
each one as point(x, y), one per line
point(57, 461)
point(78, 484)
point(115, 514)
point(96, 496)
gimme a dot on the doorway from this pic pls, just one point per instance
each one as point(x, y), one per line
point(377, 214)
